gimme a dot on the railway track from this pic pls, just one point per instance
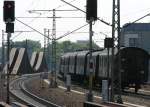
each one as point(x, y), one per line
point(98, 96)
point(18, 90)
point(141, 94)
point(138, 95)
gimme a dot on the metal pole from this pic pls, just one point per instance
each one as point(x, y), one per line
point(119, 99)
point(90, 94)
point(112, 61)
point(108, 71)
point(45, 43)
point(48, 48)
point(115, 72)
point(54, 49)
point(8, 48)
point(55, 62)
point(1, 82)
point(3, 47)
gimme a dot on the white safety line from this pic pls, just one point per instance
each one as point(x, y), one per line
point(135, 105)
point(145, 91)
point(72, 90)
point(140, 90)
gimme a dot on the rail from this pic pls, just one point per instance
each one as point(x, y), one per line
point(26, 96)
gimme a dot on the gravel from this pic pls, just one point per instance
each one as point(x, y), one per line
point(69, 99)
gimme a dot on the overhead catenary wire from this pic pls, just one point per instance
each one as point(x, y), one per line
point(137, 20)
point(30, 11)
point(66, 34)
point(50, 17)
point(32, 28)
point(85, 12)
point(33, 2)
point(50, 10)
point(64, 4)
point(19, 33)
point(71, 32)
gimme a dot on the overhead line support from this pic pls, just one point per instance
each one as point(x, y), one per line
point(116, 74)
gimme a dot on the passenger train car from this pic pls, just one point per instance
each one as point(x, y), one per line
point(133, 66)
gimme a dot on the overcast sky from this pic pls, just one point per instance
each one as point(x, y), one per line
point(130, 11)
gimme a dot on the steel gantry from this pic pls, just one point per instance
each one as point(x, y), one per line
point(116, 76)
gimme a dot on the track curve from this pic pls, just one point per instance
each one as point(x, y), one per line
point(18, 90)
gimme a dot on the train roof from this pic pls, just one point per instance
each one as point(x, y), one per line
point(135, 48)
point(81, 53)
point(73, 53)
point(69, 54)
point(136, 27)
point(103, 52)
point(64, 55)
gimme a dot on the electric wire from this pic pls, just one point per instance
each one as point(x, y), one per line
point(70, 32)
point(85, 12)
point(32, 28)
point(66, 34)
point(34, 18)
point(64, 4)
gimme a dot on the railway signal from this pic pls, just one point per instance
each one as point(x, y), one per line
point(9, 11)
point(9, 27)
point(91, 10)
point(108, 43)
point(9, 18)
point(91, 15)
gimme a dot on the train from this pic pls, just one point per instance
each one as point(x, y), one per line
point(133, 64)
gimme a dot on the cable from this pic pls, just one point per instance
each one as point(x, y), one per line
point(16, 35)
point(137, 20)
point(85, 12)
point(32, 28)
point(51, 17)
point(66, 34)
point(64, 4)
point(71, 32)
point(32, 19)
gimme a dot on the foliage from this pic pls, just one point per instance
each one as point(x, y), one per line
point(29, 44)
point(61, 48)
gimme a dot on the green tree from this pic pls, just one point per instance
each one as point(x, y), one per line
point(29, 44)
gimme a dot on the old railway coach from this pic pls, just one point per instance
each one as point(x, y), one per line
point(134, 66)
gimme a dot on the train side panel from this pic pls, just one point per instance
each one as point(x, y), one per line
point(72, 63)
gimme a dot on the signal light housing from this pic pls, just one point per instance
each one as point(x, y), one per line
point(9, 27)
point(9, 11)
point(91, 10)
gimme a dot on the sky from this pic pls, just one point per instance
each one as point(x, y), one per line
point(130, 10)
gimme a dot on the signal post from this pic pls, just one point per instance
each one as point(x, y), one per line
point(91, 15)
point(9, 18)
